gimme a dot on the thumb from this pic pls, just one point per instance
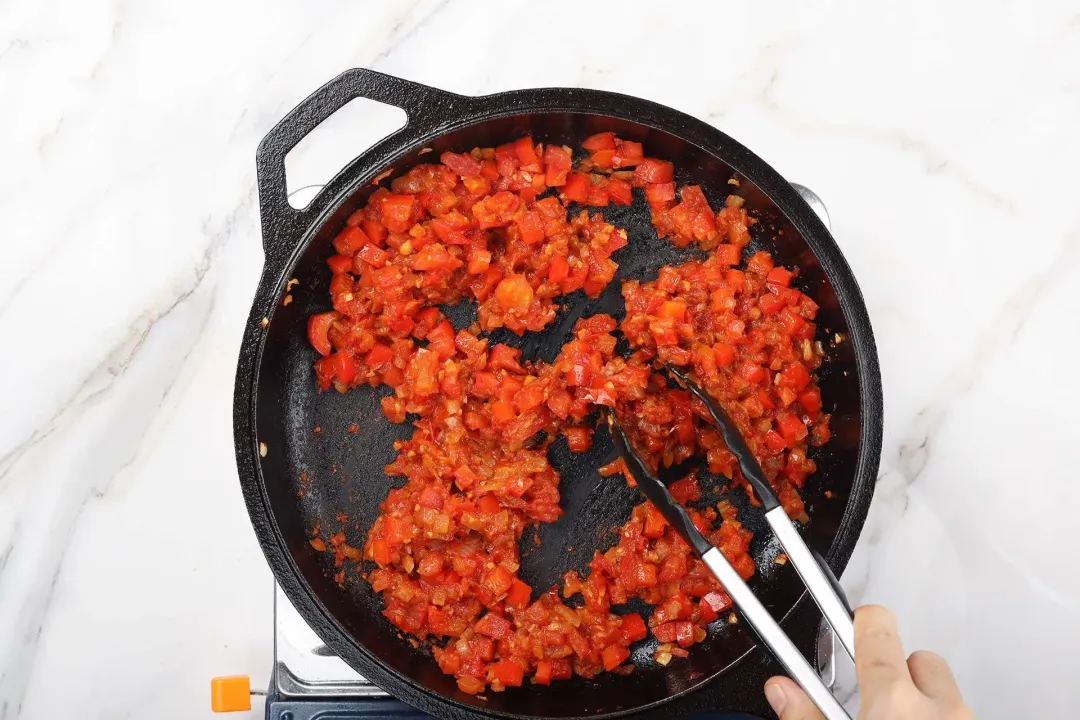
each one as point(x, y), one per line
point(789, 701)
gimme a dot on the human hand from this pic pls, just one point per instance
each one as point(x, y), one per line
point(890, 688)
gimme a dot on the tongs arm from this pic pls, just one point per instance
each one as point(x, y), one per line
point(823, 588)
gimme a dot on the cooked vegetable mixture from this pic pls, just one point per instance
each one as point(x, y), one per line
point(494, 227)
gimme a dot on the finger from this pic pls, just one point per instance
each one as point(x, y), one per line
point(931, 674)
point(879, 657)
point(789, 701)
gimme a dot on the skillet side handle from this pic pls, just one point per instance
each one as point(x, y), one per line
point(426, 109)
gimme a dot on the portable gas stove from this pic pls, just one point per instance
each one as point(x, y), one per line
point(310, 682)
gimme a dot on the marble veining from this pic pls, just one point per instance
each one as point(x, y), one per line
point(942, 137)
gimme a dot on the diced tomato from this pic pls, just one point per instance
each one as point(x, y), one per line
point(380, 552)
point(504, 357)
point(396, 212)
point(422, 372)
point(379, 355)
point(811, 401)
point(434, 257)
point(613, 656)
point(430, 497)
point(794, 376)
point(597, 194)
point(686, 490)
point(760, 263)
point(771, 303)
point(508, 672)
point(470, 685)
point(774, 441)
point(518, 595)
point(665, 633)
point(619, 191)
point(343, 367)
point(681, 632)
point(654, 522)
point(727, 254)
point(426, 320)
point(627, 154)
point(375, 231)
point(714, 603)
point(725, 354)
point(498, 581)
point(340, 283)
point(479, 260)
point(659, 193)
point(558, 269)
point(441, 340)
point(318, 332)
point(494, 626)
point(489, 504)
point(506, 160)
point(531, 227)
point(779, 276)
point(792, 322)
point(496, 210)
point(463, 164)
point(543, 672)
point(502, 411)
point(529, 398)
point(560, 403)
point(374, 256)
point(599, 141)
point(603, 159)
point(525, 151)
point(633, 628)
point(465, 477)
point(561, 669)
point(684, 633)
point(578, 439)
point(751, 372)
point(791, 428)
point(556, 164)
point(485, 384)
point(349, 241)
point(674, 309)
point(651, 171)
point(576, 188)
point(514, 292)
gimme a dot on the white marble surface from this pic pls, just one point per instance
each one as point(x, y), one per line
point(943, 137)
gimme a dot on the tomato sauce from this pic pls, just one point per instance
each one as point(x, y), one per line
point(493, 227)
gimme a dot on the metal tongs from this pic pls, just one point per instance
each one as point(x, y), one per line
point(813, 570)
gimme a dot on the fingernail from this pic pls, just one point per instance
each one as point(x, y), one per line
point(776, 697)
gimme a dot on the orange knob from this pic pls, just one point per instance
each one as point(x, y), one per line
point(230, 694)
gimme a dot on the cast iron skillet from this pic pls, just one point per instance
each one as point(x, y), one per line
point(276, 402)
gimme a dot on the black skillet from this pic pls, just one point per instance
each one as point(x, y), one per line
point(294, 478)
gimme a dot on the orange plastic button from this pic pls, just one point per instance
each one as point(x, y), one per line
point(230, 694)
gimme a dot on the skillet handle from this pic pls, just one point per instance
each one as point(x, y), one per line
point(426, 108)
